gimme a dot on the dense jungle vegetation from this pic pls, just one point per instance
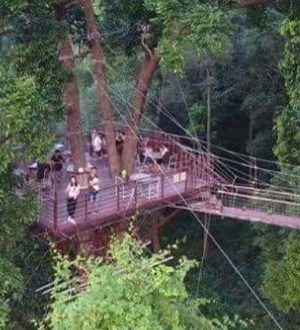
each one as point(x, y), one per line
point(241, 57)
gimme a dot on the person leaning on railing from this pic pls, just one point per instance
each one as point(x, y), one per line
point(72, 191)
point(96, 143)
point(94, 184)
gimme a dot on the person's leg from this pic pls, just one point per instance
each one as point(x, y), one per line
point(69, 206)
point(73, 203)
point(74, 206)
point(95, 194)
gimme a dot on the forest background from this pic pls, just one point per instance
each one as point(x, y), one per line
point(252, 82)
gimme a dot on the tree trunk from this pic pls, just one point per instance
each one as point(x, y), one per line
point(71, 96)
point(146, 74)
point(94, 37)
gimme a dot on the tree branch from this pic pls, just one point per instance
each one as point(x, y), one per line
point(249, 3)
point(72, 3)
point(6, 32)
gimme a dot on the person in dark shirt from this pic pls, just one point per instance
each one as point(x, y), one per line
point(57, 164)
point(57, 160)
point(120, 137)
point(42, 171)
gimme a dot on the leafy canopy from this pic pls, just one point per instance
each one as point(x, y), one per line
point(134, 290)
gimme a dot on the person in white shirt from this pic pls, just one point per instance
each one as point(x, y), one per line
point(72, 191)
point(94, 184)
point(96, 143)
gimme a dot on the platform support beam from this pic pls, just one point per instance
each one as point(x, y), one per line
point(155, 237)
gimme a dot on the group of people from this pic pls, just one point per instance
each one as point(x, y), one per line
point(99, 146)
point(155, 155)
point(73, 192)
point(55, 163)
point(149, 154)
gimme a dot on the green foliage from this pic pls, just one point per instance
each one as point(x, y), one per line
point(281, 278)
point(202, 26)
point(288, 122)
point(31, 88)
point(11, 280)
point(198, 119)
point(134, 290)
point(24, 118)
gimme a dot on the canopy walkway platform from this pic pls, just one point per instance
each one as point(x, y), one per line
point(192, 182)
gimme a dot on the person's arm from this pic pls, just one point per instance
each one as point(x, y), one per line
point(77, 192)
point(98, 182)
point(68, 189)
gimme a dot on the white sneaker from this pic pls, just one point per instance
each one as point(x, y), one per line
point(70, 219)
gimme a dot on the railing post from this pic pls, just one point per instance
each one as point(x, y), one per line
point(55, 209)
point(86, 207)
point(118, 197)
point(186, 180)
point(135, 195)
point(162, 185)
point(192, 174)
point(222, 199)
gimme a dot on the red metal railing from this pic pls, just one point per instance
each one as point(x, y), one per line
point(263, 200)
point(117, 200)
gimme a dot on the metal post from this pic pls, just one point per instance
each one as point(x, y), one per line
point(222, 199)
point(192, 173)
point(186, 180)
point(55, 211)
point(135, 195)
point(118, 198)
point(162, 185)
point(86, 207)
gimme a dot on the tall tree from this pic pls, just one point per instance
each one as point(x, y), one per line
point(155, 31)
point(96, 45)
point(75, 128)
point(71, 97)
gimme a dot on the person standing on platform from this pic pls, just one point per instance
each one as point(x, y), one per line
point(72, 191)
point(94, 185)
point(96, 143)
point(57, 164)
point(120, 138)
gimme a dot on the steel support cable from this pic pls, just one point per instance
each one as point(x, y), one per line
point(196, 139)
point(223, 163)
point(146, 118)
point(240, 274)
point(245, 174)
point(223, 252)
point(207, 219)
point(123, 117)
point(227, 257)
point(268, 171)
point(170, 117)
point(154, 124)
point(220, 167)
